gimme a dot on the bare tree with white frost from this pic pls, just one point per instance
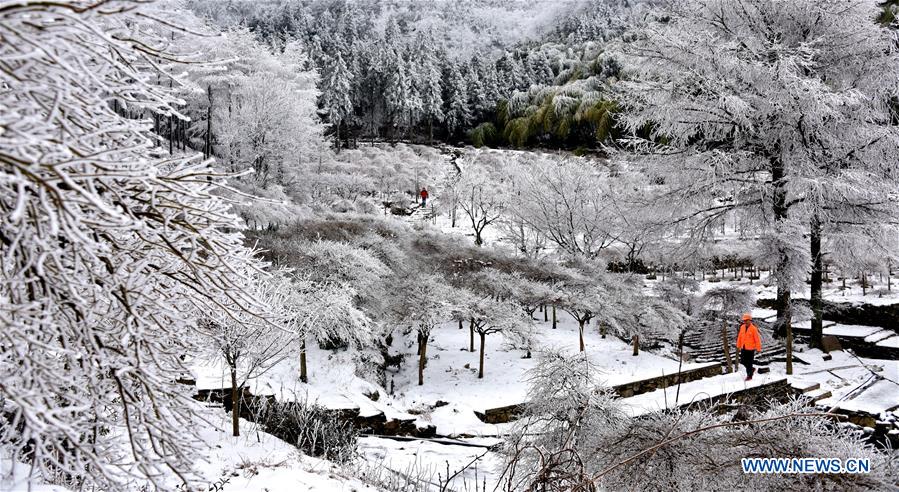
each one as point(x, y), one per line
point(422, 301)
point(250, 346)
point(565, 202)
point(110, 252)
point(482, 196)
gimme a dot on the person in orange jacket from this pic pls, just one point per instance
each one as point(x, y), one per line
point(748, 343)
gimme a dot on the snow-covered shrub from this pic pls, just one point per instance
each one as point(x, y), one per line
point(367, 206)
point(565, 420)
point(343, 206)
point(312, 428)
point(570, 443)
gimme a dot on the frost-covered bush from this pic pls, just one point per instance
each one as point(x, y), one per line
point(573, 436)
point(312, 428)
point(343, 206)
point(367, 206)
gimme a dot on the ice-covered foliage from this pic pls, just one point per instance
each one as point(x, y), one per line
point(727, 300)
point(573, 436)
point(566, 413)
point(110, 249)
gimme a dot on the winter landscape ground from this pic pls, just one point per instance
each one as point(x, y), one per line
point(479, 245)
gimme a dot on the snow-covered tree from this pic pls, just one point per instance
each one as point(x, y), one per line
point(768, 104)
point(457, 112)
point(488, 315)
point(336, 96)
point(329, 313)
point(256, 113)
point(482, 197)
point(336, 283)
point(251, 346)
point(111, 251)
point(422, 301)
point(564, 201)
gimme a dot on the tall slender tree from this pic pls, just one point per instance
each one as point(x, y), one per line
point(791, 94)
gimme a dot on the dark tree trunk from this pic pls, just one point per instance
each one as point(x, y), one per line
point(422, 357)
point(207, 150)
point(783, 325)
point(580, 330)
point(471, 333)
point(303, 375)
point(337, 137)
point(636, 345)
point(817, 284)
point(235, 404)
point(554, 317)
point(481, 363)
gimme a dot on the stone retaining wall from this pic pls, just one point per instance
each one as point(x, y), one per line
point(632, 388)
point(508, 413)
point(886, 316)
point(371, 424)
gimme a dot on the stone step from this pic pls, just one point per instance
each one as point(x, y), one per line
point(806, 387)
point(880, 336)
point(818, 395)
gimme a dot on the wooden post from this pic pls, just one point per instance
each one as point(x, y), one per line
point(636, 345)
point(728, 362)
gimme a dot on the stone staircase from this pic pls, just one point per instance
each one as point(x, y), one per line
point(812, 391)
point(424, 214)
point(703, 343)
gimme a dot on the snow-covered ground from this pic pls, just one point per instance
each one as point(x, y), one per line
point(452, 394)
point(255, 461)
point(259, 461)
point(429, 462)
point(844, 374)
point(450, 375)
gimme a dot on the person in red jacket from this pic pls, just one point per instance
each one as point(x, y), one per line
point(748, 343)
point(424, 197)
